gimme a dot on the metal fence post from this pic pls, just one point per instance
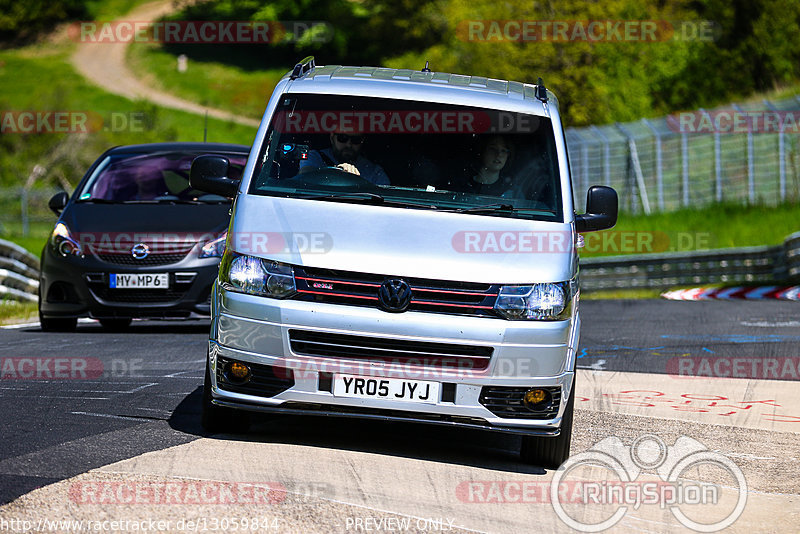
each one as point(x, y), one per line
point(751, 180)
point(606, 155)
point(685, 167)
point(659, 165)
point(585, 165)
point(637, 169)
point(717, 160)
point(24, 211)
point(781, 153)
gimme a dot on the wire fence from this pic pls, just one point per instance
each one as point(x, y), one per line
point(748, 153)
point(20, 208)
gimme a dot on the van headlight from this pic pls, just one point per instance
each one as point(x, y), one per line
point(539, 302)
point(62, 242)
point(256, 276)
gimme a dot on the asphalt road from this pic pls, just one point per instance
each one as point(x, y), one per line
point(140, 390)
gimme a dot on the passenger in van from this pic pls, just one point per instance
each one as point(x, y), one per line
point(345, 153)
point(489, 174)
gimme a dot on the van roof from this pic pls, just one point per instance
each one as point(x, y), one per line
point(412, 79)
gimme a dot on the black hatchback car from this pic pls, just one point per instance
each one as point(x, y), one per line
point(135, 239)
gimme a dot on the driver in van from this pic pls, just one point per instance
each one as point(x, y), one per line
point(345, 153)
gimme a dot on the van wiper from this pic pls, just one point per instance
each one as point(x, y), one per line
point(374, 197)
point(488, 208)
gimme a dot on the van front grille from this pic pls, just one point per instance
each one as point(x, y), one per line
point(359, 289)
point(392, 351)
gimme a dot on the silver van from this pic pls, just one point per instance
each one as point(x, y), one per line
point(402, 247)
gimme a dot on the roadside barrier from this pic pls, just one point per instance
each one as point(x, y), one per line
point(766, 264)
point(19, 273)
point(735, 293)
point(19, 269)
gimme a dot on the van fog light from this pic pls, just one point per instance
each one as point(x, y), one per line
point(237, 373)
point(536, 399)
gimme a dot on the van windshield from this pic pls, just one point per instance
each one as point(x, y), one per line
point(411, 154)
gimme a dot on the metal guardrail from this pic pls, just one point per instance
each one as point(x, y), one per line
point(19, 269)
point(19, 273)
point(661, 271)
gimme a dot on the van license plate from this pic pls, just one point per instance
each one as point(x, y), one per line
point(367, 387)
point(139, 281)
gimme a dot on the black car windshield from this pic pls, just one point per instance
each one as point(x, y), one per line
point(151, 178)
point(411, 154)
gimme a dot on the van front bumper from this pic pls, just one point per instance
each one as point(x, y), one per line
point(262, 333)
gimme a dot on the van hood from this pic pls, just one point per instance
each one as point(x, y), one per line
point(403, 242)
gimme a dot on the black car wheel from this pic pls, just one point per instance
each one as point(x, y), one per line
point(547, 452)
point(57, 324)
point(115, 325)
point(218, 419)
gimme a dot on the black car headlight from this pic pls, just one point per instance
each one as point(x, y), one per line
point(61, 241)
point(538, 302)
point(256, 276)
point(214, 247)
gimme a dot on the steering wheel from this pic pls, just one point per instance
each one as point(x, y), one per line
point(333, 177)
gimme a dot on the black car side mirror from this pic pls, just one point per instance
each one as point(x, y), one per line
point(58, 202)
point(602, 205)
point(210, 174)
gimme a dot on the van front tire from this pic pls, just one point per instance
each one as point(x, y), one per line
point(546, 452)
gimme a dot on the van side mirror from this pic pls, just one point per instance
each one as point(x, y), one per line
point(210, 174)
point(601, 210)
point(58, 202)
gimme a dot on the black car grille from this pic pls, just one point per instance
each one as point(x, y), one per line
point(507, 402)
point(136, 296)
point(358, 289)
point(152, 259)
point(376, 349)
point(265, 380)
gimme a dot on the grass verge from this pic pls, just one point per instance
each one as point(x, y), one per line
point(12, 312)
point(712, 227)
point(49, 83)
point(205, 82)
